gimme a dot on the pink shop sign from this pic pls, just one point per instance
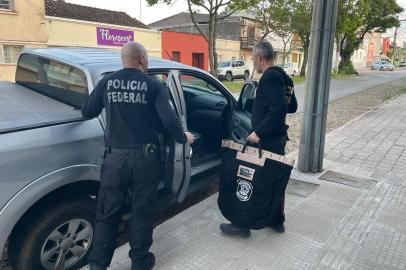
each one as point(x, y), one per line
point(113, 37)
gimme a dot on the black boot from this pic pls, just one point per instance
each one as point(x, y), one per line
point(232, 230)
point(146, 263)
point(278, 227)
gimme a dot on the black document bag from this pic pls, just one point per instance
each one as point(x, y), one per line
point(252, 183)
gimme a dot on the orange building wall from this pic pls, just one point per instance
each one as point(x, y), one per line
point(186, 44)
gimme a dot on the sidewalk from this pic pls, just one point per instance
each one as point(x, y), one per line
point(358, 224)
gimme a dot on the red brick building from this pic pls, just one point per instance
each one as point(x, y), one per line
point(189, 49)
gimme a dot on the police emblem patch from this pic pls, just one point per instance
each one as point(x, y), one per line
point(244, 190)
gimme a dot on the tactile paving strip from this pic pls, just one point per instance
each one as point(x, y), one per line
point(280, 251)
point(311, 226)
point(383, 249)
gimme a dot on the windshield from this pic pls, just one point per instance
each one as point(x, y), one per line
point(224, 64)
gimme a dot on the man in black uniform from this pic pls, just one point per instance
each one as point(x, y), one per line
point(136, 107)
point(268, 120)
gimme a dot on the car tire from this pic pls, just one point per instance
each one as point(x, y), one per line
point(229, 76)
point(34, 239)
point(246, 75)
point(381, 69)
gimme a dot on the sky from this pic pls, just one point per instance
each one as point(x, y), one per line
point(161, 11)
point(132, 7)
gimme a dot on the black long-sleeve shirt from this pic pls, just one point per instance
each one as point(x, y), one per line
point(136, 107)
point(270, 108)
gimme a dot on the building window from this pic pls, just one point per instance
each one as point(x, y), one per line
point(6, 4)
point(198, 60)
point(294, 57)
point(176, 56)
point(1, 55)
point(11, 53)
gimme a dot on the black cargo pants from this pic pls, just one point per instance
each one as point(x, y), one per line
point(121, 172)
point(277, 146)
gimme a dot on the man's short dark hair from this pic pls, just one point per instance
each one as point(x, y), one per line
point(265, 49)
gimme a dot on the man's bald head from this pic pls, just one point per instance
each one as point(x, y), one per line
point(134, 55)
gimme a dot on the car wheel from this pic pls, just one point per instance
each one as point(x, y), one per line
point(246, 75)
point(59, 238)
point(381, 69)
point(229, 76)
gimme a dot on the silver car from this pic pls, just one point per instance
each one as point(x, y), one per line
point(50, 156)
point(382, 65)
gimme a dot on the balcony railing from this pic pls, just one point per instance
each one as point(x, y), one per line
point(249, 42)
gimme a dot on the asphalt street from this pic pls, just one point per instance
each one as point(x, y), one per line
point(354, 84)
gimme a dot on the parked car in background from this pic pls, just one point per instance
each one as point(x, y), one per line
point(289, 69)
point(402, 64)
point(382, 65)
point(231, 70)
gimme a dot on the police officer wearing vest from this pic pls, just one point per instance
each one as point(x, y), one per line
point(137, 106)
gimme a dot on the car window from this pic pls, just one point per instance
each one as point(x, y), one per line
point(197, 85)
point(234, 64)
point(241, 63)
point(54, 79)
point(224, 64)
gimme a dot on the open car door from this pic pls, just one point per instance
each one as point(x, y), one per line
point(241, 116)
point(182, 152)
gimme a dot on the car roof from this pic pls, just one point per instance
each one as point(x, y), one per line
point(97, 61)
point(94, 56)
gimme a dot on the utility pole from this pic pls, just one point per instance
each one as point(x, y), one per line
point(394, 43)
point(311, 148)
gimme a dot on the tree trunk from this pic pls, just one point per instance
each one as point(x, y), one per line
point(215, 61)
point(284, 54)
point(346, 52)
point(211, 44)
point(306, 45)
point(344, 61)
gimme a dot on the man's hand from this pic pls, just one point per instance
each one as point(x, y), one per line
point(253, 137)
point(189, 137)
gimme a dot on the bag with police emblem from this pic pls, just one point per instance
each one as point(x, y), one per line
point(252, 183)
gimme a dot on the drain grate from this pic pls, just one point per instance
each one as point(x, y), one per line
point(300, 188)
point(348, 180)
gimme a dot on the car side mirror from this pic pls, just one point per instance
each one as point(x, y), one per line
point(247, 97)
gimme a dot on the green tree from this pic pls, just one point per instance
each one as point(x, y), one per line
point(286, 18)
point(355, 19)
point(214, 10)
point(301, 25)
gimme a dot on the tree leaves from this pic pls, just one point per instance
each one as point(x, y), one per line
point(356, 18)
